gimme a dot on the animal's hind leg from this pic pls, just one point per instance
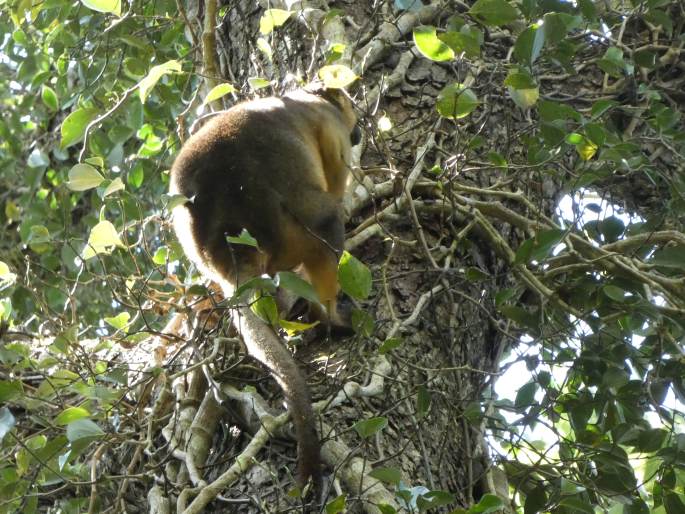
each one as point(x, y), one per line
point(317, 217)
point(326, 236)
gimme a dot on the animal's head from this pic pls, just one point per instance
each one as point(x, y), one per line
point(341, 99)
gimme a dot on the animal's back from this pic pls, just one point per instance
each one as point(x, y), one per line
point(239, 171)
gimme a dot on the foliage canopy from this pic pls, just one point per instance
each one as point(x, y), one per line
point(545, 103)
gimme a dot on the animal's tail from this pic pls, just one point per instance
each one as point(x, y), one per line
point(265, 346)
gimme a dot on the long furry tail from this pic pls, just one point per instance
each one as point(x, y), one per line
point(265, 346)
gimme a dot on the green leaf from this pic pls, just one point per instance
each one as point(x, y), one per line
point(71, 414)
point(652, 439)
point(596, 133)
point(7, 422)
point(245, 238)
point(574, 138)
point(19, 37)
point(456, 101)
point(388, 475)
point(83, 429)
point(389, 345)
point(258, 83)
point(135, 177)
point(526, 395)
point(295, 327)
point(536, 501)
point(217, 92)
point(488, 503)
point(674, 503)
point(337, 505)
point(576, 504)
point(106, 6)
point(494, 12)
point(669, 257)
point(103, 238)
point(49, 97)
point(273, 18)
point(264, 283)
point(554, 27)
point(524, 98)
point(120, 321)
point(7, 278)
point(362, 323)
point(602, 106)
point(335, 52)
point(498, 160)
point(423, 401)
point(539, 247)
point(156, 72)
point(134, 68)
point(552, 111)
point(297, 285)
point(265, 307)
point(337, 76)
point(473, 274)
point(612, 228)
point(646, 59)
point(170, 202)
point(434, 499)
point(39, 239)
point(612, 62)
point(520, 80)
point(10, 389)
point(552, 135)
point(83, 177)
point(161, 255)
point(467, 40)
point(427, 42)
point(660, 17)
point(96, 161)
point(521, 316)
point(115, 185)
point(638, 505)
point(368, 427)
point(354, 276)
point(529, 44)
point(74, 126)
point(586, 149)
point(615, 293)
point(588, 9)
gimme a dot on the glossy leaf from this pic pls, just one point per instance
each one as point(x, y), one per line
point(368, 427)
point(71, 414)
point(106, 6)
point(273, 18)
point(83, 429)
point(74, 126)
point(354, 276)
point(154, 75)
point(456, 101)
point(494, 12)
point(218, 92)
point(103, 238)
point(83, 177)
point(428, 43)
point(337, 76)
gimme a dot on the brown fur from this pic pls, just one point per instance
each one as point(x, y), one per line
point(277, 167)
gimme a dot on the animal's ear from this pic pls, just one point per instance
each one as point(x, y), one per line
point(315, 87)
point(334, 95)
